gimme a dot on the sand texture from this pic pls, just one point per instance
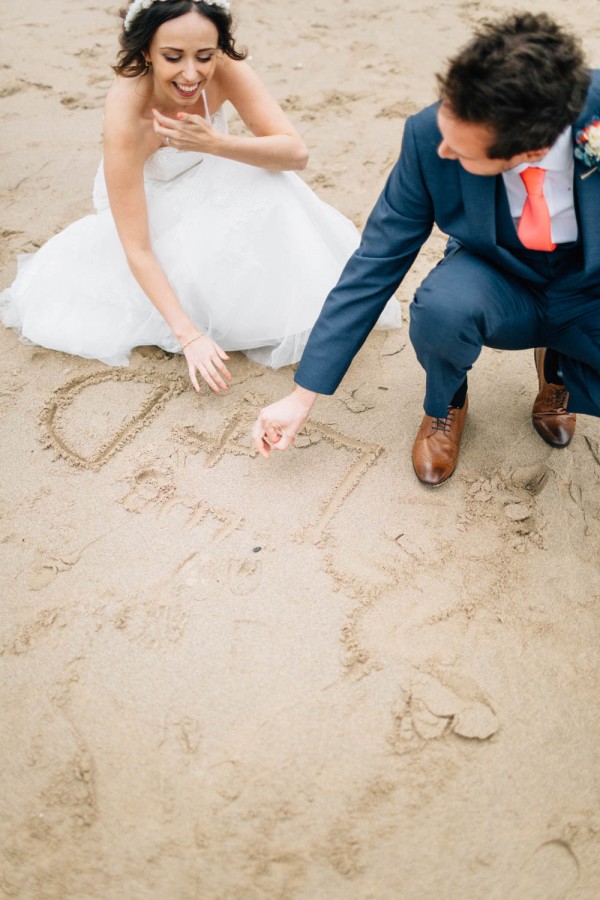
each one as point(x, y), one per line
point(226, 679)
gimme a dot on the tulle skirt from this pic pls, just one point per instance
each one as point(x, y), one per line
point(250, 254)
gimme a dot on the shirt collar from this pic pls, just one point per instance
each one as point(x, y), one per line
point(558, 158)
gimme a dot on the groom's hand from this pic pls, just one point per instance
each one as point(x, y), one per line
point(277, 425)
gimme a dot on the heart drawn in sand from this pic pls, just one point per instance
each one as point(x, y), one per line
point(111, 417)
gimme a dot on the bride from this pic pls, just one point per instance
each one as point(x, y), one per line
point(201, 241)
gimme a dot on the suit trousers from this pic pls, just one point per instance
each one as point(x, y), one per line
point(466, 303)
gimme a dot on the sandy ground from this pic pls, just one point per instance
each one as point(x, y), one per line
point(311, 678)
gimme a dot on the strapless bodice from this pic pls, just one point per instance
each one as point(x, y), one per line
point(165, 164)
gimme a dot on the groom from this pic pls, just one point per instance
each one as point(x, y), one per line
point(493, 165)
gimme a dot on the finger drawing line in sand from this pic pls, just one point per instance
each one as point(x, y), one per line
point(243, 576)
point(366, 455)
point(51, 566)
point(227, 521)
point(24, 636)
point(234, 439)
point(151, 486)
point(53, 415)
point(357, 659)
point(217, 445)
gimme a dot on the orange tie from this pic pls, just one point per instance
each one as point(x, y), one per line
point(534, 228)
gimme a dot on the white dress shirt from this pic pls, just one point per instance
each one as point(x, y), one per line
point(558, 188)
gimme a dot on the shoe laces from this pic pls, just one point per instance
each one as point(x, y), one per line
point(558, 397)
point(443, 424)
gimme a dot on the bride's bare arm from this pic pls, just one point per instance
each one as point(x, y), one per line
point(125, 151)
point(276, 144)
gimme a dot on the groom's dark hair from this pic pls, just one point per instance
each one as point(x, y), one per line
point(524, 77)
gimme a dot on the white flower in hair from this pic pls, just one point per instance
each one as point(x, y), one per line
point(139, 6)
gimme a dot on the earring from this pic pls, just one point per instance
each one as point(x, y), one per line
point(148, 63)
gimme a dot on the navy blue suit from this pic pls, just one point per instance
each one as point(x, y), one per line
point(488, 290)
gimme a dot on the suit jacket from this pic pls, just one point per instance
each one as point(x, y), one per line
point(424, 189)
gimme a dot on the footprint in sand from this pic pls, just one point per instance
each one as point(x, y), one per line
point(80, 102)
point(111, 413)
point(428, 710)
point(549, 874)
point(532, 479)
point(361, 398)
point(399, 110)
point(183, 733)
point(16, 87)
point(244, 576)
point(11, 390)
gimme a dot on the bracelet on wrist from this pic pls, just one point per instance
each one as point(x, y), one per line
point(191, 341)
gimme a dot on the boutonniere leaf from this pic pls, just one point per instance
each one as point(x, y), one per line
point(587, 146)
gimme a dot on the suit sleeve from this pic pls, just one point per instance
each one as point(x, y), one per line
point(399, 224)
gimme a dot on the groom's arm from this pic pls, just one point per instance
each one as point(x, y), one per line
point(399, 224)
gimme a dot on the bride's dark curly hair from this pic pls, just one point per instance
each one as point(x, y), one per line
point(135, 41)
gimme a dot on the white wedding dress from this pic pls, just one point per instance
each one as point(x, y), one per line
point(250, 254)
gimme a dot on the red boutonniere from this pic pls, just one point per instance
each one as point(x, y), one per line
point(587, 146)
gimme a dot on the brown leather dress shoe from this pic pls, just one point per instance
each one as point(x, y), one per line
point(549, 414)
point(435, 450)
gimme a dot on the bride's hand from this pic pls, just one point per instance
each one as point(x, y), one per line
point(205, 356)
point(186, 132)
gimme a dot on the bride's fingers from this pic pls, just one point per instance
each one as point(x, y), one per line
point(212, 379)
point(166, 134)
point(191, 119)
point(222, 367)
point(221, 355)
point(214, 387)
point(162, 119)
point(193, 379)
point(216, 376)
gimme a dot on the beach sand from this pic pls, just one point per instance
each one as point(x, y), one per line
point(308, 678)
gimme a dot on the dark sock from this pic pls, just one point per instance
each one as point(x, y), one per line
point(458, 401)
point(552, 373)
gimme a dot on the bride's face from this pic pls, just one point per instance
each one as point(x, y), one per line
point(183, 53)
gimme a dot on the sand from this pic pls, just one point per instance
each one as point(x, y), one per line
point(308, 678)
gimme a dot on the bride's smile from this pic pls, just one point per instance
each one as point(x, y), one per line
point(197, 251)
point(183, 54)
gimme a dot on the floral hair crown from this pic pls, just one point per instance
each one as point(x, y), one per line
point(139, 6)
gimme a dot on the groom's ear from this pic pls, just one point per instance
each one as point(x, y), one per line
point(528, 156)
point(532, 156)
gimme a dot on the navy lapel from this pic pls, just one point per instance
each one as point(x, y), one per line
point(479, 198)
point(587, 196)
point(481, 210)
